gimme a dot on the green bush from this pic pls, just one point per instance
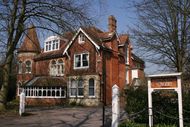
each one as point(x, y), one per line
point(137, 103)
point(164, 125)
point(132, 124)
point(165, 106)
point(186, 109)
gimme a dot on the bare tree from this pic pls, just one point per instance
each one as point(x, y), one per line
point(163, 32)
point(17, 15)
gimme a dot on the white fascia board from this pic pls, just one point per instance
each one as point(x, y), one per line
point(118, 37)
point(80, 30)
point(165, 75)
point(121, 45)
point(98, 47)
point(71, 42)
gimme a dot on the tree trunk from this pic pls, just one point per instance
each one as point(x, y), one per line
point(5, 86)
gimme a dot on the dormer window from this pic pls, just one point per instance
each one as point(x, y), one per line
point(52, 43)
point(81, 39)
point(55, 45)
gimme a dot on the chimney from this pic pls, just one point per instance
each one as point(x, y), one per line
point(112, 23)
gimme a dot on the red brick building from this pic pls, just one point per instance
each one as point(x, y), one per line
point(81, 67)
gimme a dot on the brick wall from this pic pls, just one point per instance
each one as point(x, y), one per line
point(23, 77)
point(77, 48)
point(42, 68)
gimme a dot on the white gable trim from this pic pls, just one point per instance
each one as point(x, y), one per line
point(72, 40)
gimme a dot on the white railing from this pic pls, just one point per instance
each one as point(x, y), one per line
point(44, 92)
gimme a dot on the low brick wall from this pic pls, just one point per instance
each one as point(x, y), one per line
point(45, 101)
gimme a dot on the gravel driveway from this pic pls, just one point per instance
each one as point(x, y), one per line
point(57, 117)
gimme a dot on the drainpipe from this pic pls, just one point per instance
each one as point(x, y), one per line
point(104, 85)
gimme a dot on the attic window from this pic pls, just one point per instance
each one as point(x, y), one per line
point(52, 43)
point(81, 39)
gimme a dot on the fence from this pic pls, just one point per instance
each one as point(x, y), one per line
point(44, 92)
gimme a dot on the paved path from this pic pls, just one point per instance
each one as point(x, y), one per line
point(59, 117)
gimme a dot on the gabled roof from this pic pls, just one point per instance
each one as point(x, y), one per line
point(31, 42)
point(93, 39)
point(123, 39)
point(97, 35)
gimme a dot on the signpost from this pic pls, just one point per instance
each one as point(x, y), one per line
point(165, 82)
point(115, 106)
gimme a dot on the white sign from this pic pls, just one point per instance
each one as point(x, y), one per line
point(165, 81)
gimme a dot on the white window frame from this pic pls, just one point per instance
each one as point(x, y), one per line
point(80, 88)
point(92, 96)
point(60, 68)
point(52, 45)
point(20, 67)
point(81, 38)
point(56, 68)
point(53, 68)
point(77, 89)
point(81, 61)
point(73, 88)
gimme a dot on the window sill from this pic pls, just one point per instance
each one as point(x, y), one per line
point(45, 96)
point(51, 50)
point(81, 42)
point(57, 75)
point(77, 68)
point(91, 96)
point(76, 96)
point(28, 72)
